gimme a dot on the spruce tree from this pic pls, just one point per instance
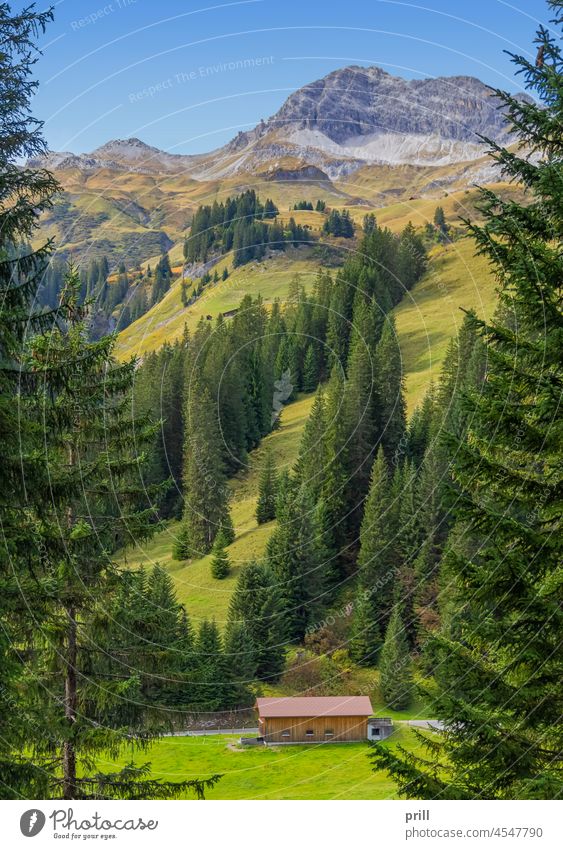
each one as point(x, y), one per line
point(498, 684)
point(395, 670)
point(335, 448)
point(63, 408)
point(392, 406)
point(24, 486)
point(256, 604)
point(360, 413)
point(205, 487)
point(240, 663)
point(339, 324)
point(409, 538)
point(288, 562)
point(220, 566)
point(267, 486)
point(365, 639)
point(377, 558)
point(310, 376)
point(91, 454)
point(311, 466)
point(419, 427)
point(227, 528)
point(212, 674)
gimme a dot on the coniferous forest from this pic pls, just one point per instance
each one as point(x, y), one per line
point(423, 549)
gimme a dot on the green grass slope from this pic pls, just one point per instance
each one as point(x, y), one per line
point(431, 313)
point(427, 319)
point(165, 321)
point(203, 595)
point(326, 771)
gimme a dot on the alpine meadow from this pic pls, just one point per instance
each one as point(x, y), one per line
point(281, 420)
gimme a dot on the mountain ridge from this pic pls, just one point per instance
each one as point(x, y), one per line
point(338, 123)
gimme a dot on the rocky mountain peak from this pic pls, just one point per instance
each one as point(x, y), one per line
point(131, 148)
point(356, 101)
point(349, 118)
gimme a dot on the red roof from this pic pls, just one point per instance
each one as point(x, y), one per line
point(315, 706)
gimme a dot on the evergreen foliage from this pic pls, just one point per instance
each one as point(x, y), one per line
point(395, 673)
point(391, 396)
point(220, 566)
point(238, 224)
point(267, 486)
point(339, 224)
point(205, 487)
point(24, 488)
point(498, 664)
point(256, 605)
point(377, 565)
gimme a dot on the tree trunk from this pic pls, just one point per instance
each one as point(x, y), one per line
point(70, 704)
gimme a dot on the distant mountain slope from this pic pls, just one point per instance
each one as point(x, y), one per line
point(358, 138)
point(356, 115)
point(350, 117)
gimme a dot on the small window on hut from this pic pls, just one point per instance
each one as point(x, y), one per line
point(309, 733)
point(329, 732)
point(286, 734)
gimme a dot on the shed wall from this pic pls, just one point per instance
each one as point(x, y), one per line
point(325, 729)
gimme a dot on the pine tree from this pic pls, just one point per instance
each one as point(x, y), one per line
point(365, 640)
point(392, 404)
point(220, 566)
point(212, 672)
point(267, 486)
point(311, 465)
point(360, 413)
point(256, 604)
point(498, 688)
point(24, 486)
point(205, 488)
point(395, 669)
point(240, 660)
point(377, 574)
point(310, 377)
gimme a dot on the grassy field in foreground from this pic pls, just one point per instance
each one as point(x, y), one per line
point(430, 314)
point(326, 771)
point(204, 596)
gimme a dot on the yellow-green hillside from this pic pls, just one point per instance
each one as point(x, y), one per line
point(204, 596)
point(165, 321)
point(427, 319)
point(430, 314)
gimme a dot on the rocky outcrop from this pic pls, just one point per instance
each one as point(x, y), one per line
point(354, 102)
point(307, 173)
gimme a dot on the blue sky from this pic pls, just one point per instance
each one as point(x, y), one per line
point(186, 76)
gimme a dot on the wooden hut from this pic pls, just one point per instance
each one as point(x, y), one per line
point(314, 719)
